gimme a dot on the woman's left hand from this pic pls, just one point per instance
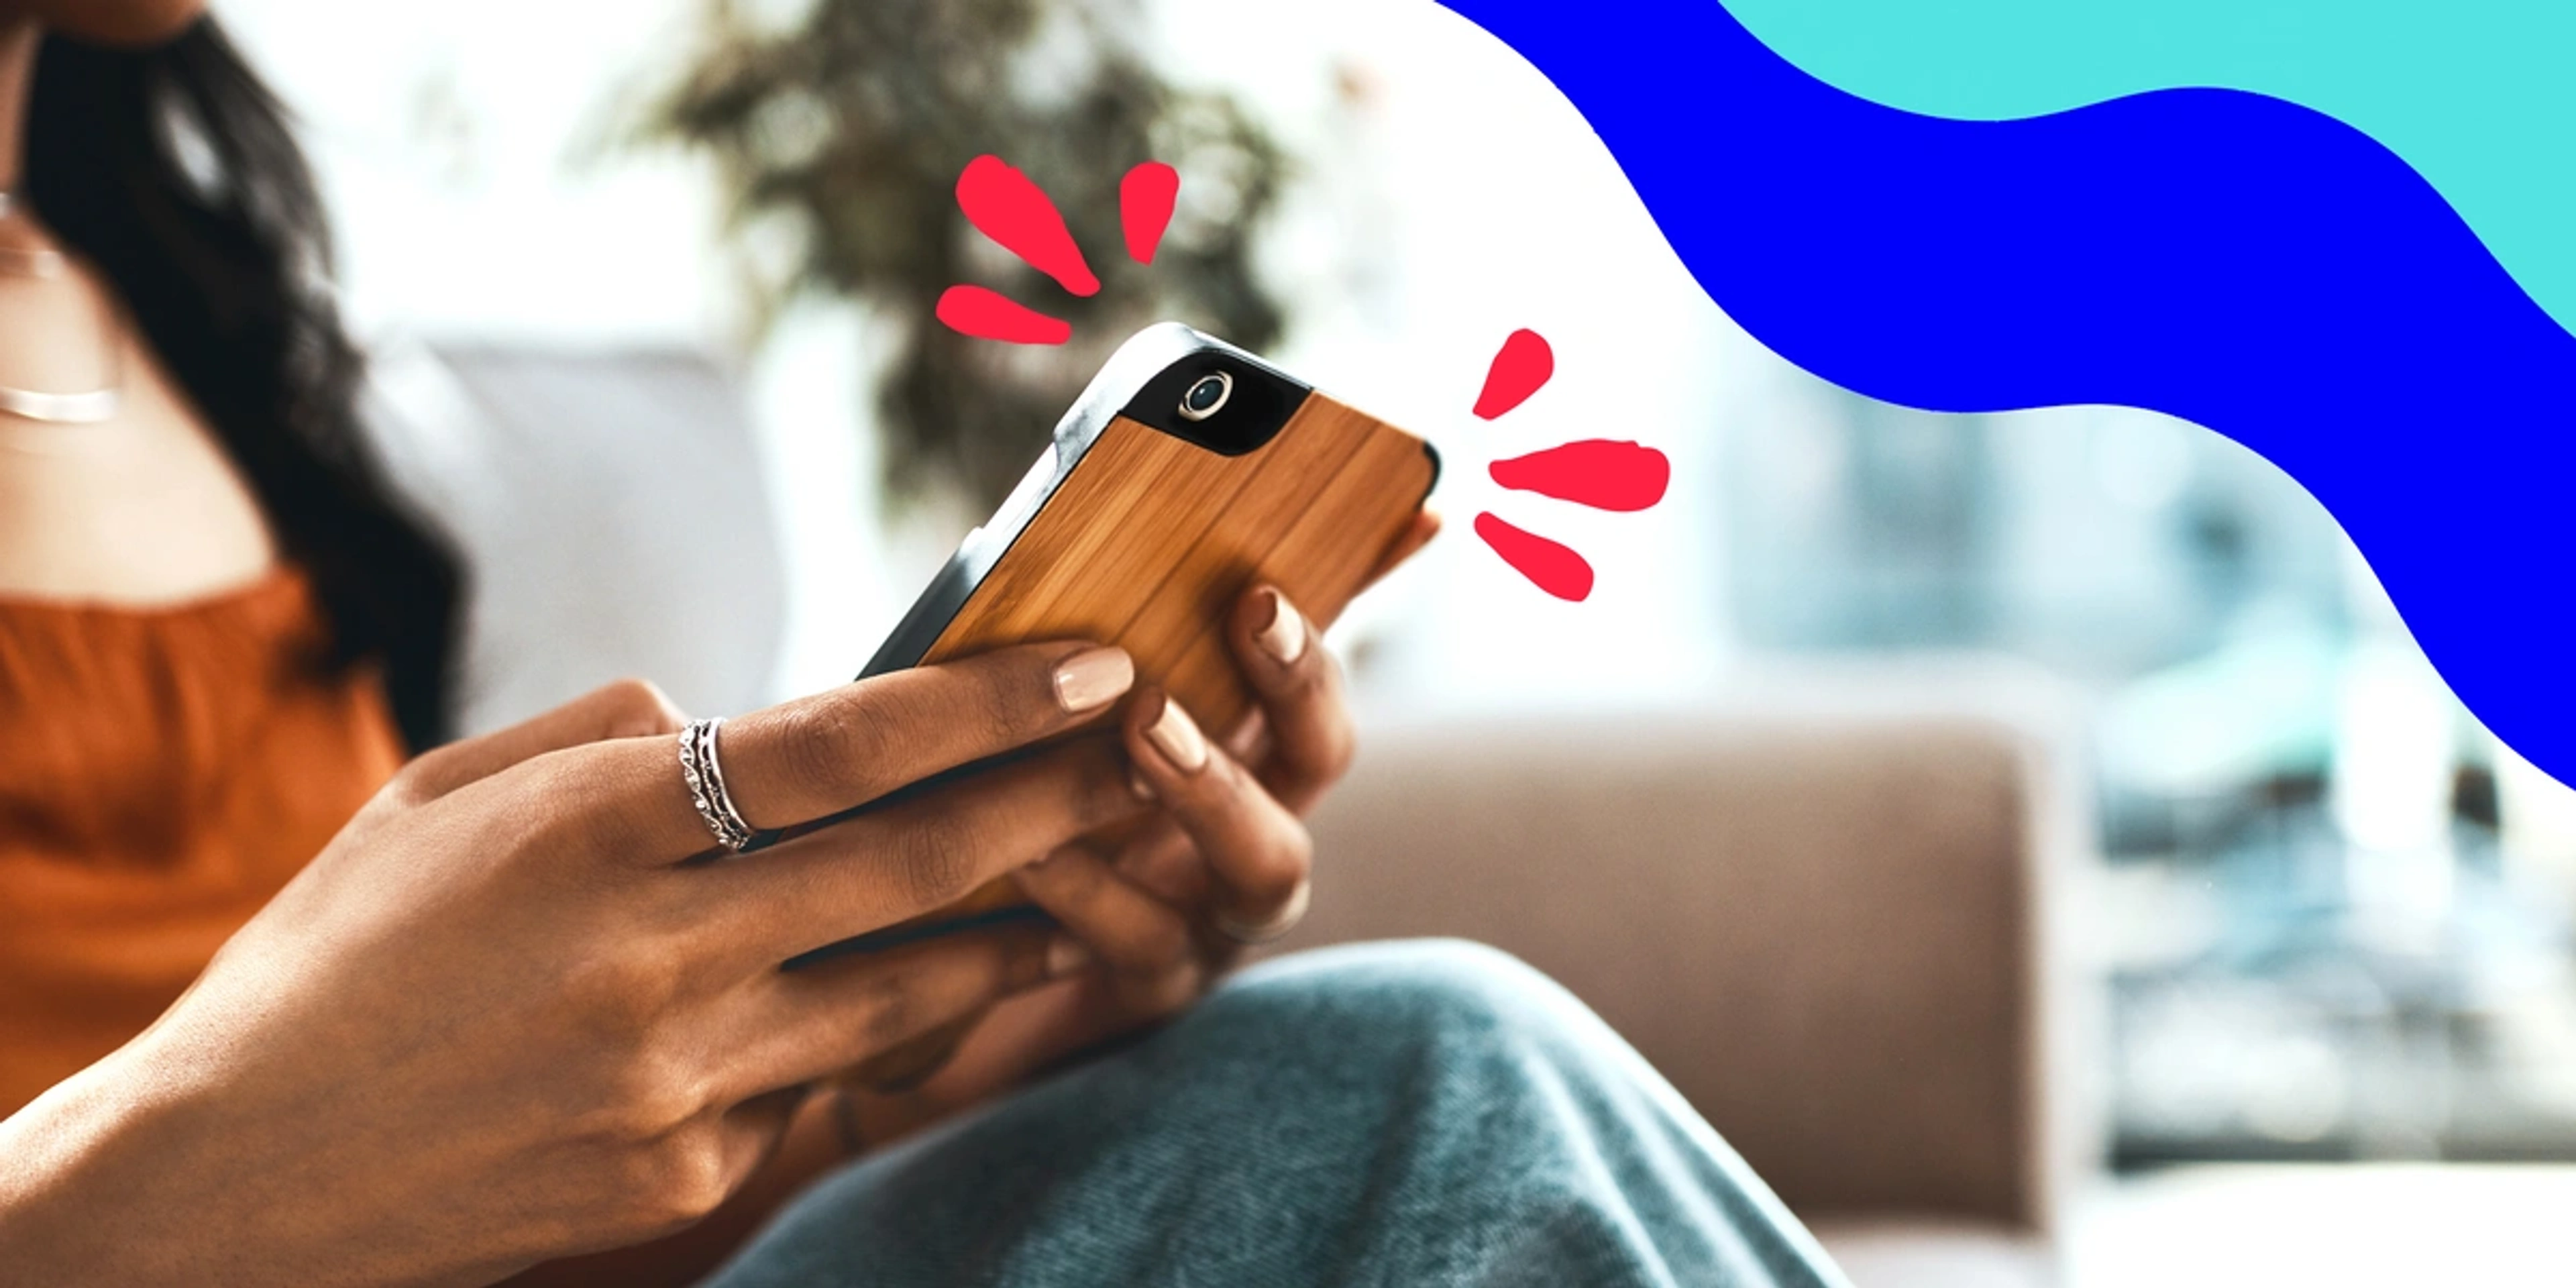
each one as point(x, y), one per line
point(1225, 863)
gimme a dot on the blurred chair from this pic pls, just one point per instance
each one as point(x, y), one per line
point(613, 516)
point(1827, 928)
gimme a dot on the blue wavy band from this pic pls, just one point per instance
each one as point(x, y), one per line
point(2231, 259)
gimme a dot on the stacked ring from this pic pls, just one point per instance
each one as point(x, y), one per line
point(704, 775)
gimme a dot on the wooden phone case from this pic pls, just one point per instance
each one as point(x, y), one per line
point(1128, 533)
point(1131, 534)
point(1150, 540)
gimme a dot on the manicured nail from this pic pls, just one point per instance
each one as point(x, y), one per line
point(1092, 679)
point(1065, 955)
point(1177, 736)
point(1136, 783)
point(1284, 639)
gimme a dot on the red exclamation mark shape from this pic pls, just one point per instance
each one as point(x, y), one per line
point(1145, 198)
point(1597, 472)
point(1014, 211)
point(1550, 566)
point(987, 314)
point(1522, 365)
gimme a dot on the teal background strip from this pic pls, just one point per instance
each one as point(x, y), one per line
point(2479, 96)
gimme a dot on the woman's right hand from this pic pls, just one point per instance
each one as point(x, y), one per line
point(504, 1018)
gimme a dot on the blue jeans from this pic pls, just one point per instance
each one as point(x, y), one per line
point(1405, 1114)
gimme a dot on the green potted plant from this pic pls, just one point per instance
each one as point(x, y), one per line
point(840, 135)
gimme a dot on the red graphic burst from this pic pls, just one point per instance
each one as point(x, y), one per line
point(1597, 472)
point(1014, 211)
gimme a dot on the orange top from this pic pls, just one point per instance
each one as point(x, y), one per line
point(162, 773)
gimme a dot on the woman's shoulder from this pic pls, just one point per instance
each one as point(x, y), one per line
point(131, 727)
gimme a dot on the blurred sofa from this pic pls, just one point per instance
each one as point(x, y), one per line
point(1826, 923)
point(1825, 917)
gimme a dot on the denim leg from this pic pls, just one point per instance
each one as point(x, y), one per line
point(1424, 1113)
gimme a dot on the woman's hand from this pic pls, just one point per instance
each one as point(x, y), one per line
point(1228, 863)
point(505, 1017)
point(1225, 862)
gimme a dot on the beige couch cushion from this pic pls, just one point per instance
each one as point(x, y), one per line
point(1819, 931)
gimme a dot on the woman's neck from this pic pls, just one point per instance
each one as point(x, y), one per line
point(18, 38)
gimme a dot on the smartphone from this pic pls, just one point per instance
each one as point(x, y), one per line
point(1187, 472)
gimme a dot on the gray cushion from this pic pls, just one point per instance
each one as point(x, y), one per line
point(613, 514)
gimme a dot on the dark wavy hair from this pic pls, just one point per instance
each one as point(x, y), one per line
point(174, 170)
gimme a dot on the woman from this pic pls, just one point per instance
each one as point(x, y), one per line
point(481, 1011)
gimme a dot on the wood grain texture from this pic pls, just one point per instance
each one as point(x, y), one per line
point(1147, 544)
point(1150, 540)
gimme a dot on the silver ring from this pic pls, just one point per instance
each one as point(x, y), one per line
point(704, 774)
point(1275, 928)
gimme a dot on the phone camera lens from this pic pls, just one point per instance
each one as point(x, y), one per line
point(1206, 396)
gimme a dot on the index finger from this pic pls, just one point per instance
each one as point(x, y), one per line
point(1299, 685)
point(625, 709)
point(842, 748)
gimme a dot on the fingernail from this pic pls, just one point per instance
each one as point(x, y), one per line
point(1092, 679)
point(1065, 955)
point(1177, 736)
point(1284, 639)
point(1136, 783)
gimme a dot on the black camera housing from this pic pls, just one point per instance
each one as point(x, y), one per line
point(1261, 402)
